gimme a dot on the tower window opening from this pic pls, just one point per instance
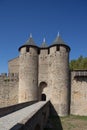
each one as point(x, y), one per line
point(48, 51)
point(27, 49)
point(39, 51)
point(67, 50)
point(58, 48)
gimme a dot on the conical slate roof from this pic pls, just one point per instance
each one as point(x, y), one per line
point(43, 45)
point(58, 40)
point(30, 41)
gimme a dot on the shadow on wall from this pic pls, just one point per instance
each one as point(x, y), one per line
point(54, 122)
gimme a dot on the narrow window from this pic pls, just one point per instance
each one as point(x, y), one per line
point(27, 49)
point(38, 51)
point(58, 48)
point(48, 51)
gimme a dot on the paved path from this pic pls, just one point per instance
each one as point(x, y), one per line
point(7, 122)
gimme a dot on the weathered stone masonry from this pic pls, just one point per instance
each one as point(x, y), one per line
point(8, 89)
point(42, 73)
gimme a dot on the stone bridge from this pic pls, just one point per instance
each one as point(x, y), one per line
point(29, 117)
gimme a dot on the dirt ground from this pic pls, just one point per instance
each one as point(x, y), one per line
point(67, 123)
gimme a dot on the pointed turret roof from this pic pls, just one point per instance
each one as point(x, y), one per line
point(30, 41)
point(59, 40)
point(44, 44)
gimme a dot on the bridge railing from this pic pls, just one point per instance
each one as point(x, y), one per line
point(7, 110)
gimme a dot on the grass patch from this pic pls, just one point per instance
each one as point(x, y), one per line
point(78, 117)
point(74, 117)
point(70, 122)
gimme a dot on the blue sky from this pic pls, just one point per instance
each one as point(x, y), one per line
point(42, 18)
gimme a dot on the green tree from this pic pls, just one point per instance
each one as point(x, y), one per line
point(79, 64)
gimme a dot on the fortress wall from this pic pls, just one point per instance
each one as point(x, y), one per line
point(43, 72)
point(13, 65)
point(8, 90)
point(78, 94)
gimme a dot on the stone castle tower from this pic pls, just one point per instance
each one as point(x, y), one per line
point(44, 73)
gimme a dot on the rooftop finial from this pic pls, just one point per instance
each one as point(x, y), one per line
point(30, 35)
point(58, 34)
point(44, 40)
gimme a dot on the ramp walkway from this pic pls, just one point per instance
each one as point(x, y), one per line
point(17, 120)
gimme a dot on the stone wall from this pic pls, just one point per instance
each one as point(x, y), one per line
point(8, 89)
point(79, 93)
point(13, 65)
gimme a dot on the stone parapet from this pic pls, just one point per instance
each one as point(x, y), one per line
point(9, 77)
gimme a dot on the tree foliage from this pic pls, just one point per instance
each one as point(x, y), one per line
point(79, 64)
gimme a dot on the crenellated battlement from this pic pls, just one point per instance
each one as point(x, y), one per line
point(9, 77)
point(8, 89)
